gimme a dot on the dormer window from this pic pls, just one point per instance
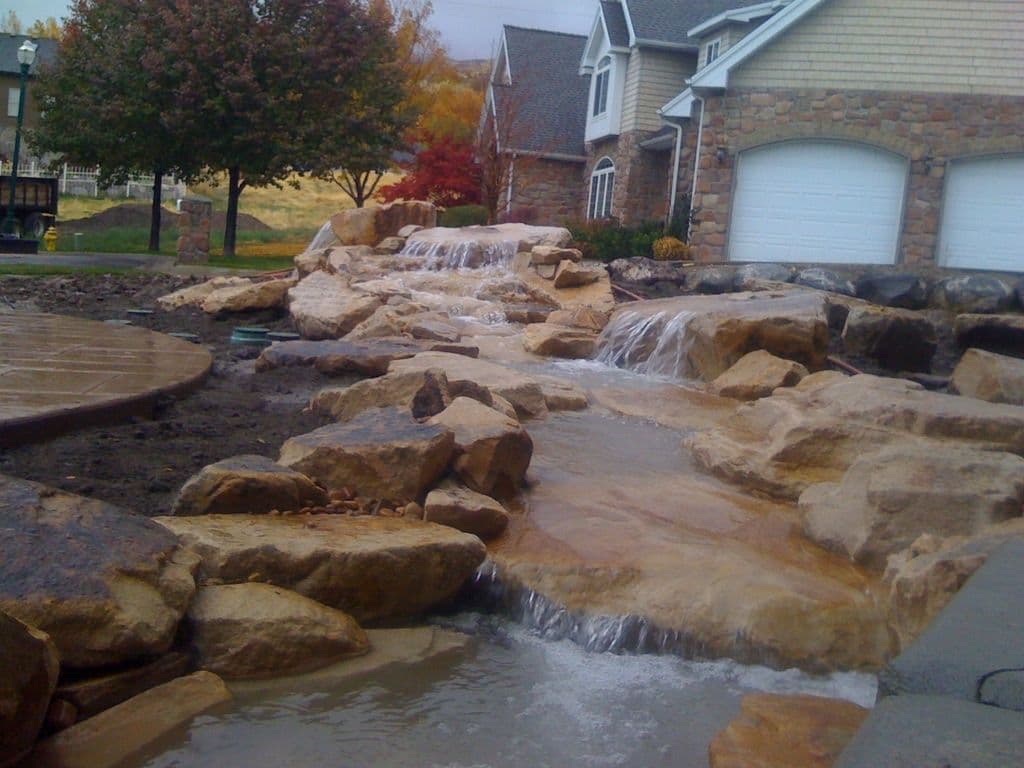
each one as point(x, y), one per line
point(711, 50)
point(601, 80)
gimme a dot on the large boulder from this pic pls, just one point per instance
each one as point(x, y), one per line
point(246, 485)
point(29, 666)
point(402, 390)
point(368, 226)
point(323, 306)
point(550, 255)
point(377, 569)
point(586, 318)
point(641, 270)
point(337, 357)
point(757, 374)
point(550, 340)
point(465, 510)
point(898, 339)
point(886, 500)
point(265, 294)
point(825, 280)
point(982, 294)
point(813, 432)
point(988, 376)
point(195, 295)
point(923, 578)
point(751, 277)
point(712, 279)
point(106, 585)
point(704, 336)
point(381, 454)
point(125, 734)
point(493, 451)
point(995, 333)
point(572, 275)
point(257, 630)
point(773, 731)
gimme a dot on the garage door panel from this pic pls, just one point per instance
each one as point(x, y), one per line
point(817, 202)
point(983, 214)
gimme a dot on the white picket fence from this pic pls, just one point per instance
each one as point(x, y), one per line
point(84, 182)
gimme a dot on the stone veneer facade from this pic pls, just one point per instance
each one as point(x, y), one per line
point(550, 188)
point(927, 129)
point(641, 178)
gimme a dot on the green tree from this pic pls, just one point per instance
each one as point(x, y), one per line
point(98, 106)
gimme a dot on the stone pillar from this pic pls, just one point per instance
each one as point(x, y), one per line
point(194, 230)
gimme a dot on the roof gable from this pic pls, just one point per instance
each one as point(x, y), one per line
point(666, 23)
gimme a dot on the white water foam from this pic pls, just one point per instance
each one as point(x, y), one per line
point(654, 345)
point(462, 253)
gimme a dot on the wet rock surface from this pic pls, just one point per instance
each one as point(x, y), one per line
point(550, 340)
point(107, 586)
point(257, 630)
point(382, 454)
point(322, 306)
point(984, 294)
point(758, 374)
point(990, 377)
point(376, 569)
point(29, 666)
point(247, 485)
point(334, 358)
point(898, 339)
point(465, 510)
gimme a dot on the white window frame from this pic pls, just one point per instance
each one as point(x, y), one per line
point(712, 50)
point(13, 96)
point(602, 84)
point(602, 185)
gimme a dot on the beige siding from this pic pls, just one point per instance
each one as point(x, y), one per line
point(653, 79)
point(728, 37)
point(931, 46)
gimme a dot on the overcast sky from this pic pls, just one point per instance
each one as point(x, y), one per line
point(469, 27)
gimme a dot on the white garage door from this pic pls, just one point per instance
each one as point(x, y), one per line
point(983, 216)
point(818, 201)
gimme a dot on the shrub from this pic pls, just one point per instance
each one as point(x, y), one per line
point(606, 240)
point(671, 249)
point(462, 216)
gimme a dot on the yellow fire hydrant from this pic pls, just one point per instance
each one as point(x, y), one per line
point(50, 238)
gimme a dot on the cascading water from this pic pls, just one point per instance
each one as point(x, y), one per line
point(652, 344)
point(459, 252)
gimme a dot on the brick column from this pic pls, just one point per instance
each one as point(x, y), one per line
point(194, 230)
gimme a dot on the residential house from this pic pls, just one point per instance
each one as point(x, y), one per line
point(10, 79)
point(863, 131)
point(536, 105)
point(859, 131)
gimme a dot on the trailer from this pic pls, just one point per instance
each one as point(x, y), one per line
point(35, 203)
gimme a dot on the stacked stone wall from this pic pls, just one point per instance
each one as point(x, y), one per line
point(928, 129)
point(642, 177)
point(552, 189)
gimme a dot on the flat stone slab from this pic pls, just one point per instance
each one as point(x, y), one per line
point(337, 357)
point(917, 731)
point(61, 373)
point(973, 649)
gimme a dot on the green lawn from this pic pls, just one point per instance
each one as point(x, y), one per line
point(269, 246)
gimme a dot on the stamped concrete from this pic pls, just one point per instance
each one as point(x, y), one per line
point(58, 373)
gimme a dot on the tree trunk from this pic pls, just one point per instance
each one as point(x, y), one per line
point(155, 211)
point(231, 220)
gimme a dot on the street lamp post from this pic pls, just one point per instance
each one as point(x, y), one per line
point(26, 55)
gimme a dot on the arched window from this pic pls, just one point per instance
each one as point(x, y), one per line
point(602, 181)
point(604, 73)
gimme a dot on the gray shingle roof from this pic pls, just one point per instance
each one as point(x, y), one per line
point(668, 21)
point(615, 21)
point(9, 45)
point(547, 99)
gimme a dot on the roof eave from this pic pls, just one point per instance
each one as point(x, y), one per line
point(665, 45)
point(746, 14)
point(680, 108)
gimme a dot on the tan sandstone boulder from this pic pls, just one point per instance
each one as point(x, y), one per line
point(391, 390)
point(29, 666)
point(774, 731)
point(581, 317)
point(106, 585)
point(549, 340)
point(465, 510)
point(257, 630)
point(756, 375)
point(265, 294)
point(375, 568)
point(381, 454)
point(194, 295)
point(704, 336)
point(988, 376)
point(898, 339)
point(923, 578)
point(570, 274)
point(888, 498)
point(246, 485)
point(814, 432)
point(127, 732)
point(493, 451)
point(324, 307)
point(550, 255)
point(368, 226)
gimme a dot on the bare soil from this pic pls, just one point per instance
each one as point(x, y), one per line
point(138, 215)
point(141, 464)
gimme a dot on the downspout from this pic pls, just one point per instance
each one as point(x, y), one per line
point(511, 177)
point(696, 162)
point(675, 173)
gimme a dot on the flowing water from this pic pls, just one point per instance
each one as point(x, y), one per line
point(653, 345)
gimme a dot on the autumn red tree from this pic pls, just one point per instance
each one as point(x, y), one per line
point(445, 172)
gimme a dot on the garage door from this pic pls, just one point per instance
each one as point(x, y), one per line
point(817, 201)
point(983, 215)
